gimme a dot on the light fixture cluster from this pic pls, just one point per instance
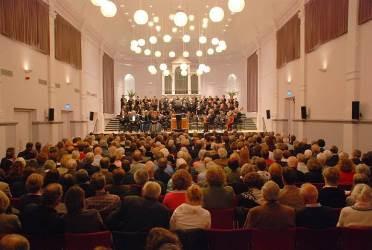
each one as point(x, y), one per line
point(108, 8)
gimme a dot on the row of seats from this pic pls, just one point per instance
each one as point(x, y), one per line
point(219, 239)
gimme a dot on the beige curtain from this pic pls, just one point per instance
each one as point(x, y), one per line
point(180, 82)
point(108, 84)
point(168, 85)
point(194, 84)
point(288, 42)
point(67, 43)
point(365, 11)
point(26, 21)
point(252, 83)
point(325, 20)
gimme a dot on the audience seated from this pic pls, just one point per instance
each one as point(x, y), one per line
point(117, 187)
point(359, 214)
point(191, 215)
point(315, 171)
point(181, 181)
point(216, 195)
point(331, 195)
point(290, 194)
point(34, 183)
point(253, 196)
point(347, 169)
point(8, 221)
point(314, 215)
point(14, 242)
point(138, 214)
point(162, 239)
point(270, 215)
point(43, 219)
point(276, 173)
point(79, 219)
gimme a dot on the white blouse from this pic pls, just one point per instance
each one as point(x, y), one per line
point(187, 216)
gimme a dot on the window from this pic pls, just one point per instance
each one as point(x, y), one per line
point(194, 84)
point(181, 82)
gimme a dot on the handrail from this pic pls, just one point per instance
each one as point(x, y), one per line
point(264, 124)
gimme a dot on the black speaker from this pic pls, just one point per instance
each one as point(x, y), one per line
point(268, 115)
point(91, 116)
point(303, 112)
point(356, 110)
point(51, 114)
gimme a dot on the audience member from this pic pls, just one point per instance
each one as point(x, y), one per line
point(181, 181)
point(331, 195)
point(14, 242)
point(315, 171)
point(9, 222)
point(162, 239)
point(347, 170)
point(290, 193)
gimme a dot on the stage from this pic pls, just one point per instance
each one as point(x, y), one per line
point(190, 132)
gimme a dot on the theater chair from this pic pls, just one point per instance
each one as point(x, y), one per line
point(222, 218)
point(87, 241)
point(273, 239)
point(129, 240)
point(356, 238)
point(56, 242)
point(319, 239)
point(193, 239)
point(220, 239)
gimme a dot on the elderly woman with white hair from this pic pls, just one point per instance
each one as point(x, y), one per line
point(360, 214)
point(270, 215)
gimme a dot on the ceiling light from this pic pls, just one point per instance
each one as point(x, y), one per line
point(191, 18)
point(138, 50)
point(207, 69)
point(205, 25)
point(215, 41)
point(199, 72)
point(147, 52)
point(152, 69)
point(156, 19)
point(186, 38)
point(158, 28)
point(202, 40)
point(167, 38)
point(174, 29)
point(151, 24)
point(205, 20)
point(199, 53)
point(183, 66)
point(180, 19)
point(98, 3)
point(157, 53)
point(210, 51)
point(185, 54)
point(183, 73)
point(133, 48)
point(134, 43)
point(163, 66)
point(222, 45)
point(141, 42)
point(171, 17)
point(166, 72)
point(153, 39)
point(236, 5)
point(192, 27)
point(108, 9)
point(171, 54)
point(141, 17)
point(218, 49)
point(216, 14)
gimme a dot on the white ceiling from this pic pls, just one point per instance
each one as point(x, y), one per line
point(240, 31)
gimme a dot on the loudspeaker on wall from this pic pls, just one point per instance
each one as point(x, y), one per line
point(51, 114)
point(303, 112)
point(91, 116)
point(356, 110)
point(268, 115)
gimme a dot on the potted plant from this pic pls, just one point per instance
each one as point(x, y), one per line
point(131, 94)
point(232, 93)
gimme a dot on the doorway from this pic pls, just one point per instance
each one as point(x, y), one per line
point(23, 117)
point(290, 115)
point(66, 126)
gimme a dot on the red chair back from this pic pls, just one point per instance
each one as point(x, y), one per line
point(356, 238)
point(46, 243)
point(273, 239)
point(219, 239)
point(88, 241)
point(222, 218)
point(310, 239)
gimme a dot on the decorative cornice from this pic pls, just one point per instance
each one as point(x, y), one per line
point(8, 123)
point(46, 122)
point(78, 121)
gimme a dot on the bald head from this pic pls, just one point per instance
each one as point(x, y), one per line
point(309, 193)
point(14, 242)
point(292, 162)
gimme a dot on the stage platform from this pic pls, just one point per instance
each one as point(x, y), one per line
point(189, 132)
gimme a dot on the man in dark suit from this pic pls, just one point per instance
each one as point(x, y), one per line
point(270, 215)
point(28, 153)
point(140, 214)
point(314, 215)
point(333, 160)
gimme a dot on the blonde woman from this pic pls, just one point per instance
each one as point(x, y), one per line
point(191, 214)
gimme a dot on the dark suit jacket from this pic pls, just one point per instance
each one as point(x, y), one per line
point(316, 217)
point(87, 221)
point(138, 214)
point(271, 215)
point(332, 197)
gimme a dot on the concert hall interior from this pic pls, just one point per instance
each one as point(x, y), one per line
point(127, 83)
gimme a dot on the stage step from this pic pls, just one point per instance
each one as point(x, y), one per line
point(247, 124)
